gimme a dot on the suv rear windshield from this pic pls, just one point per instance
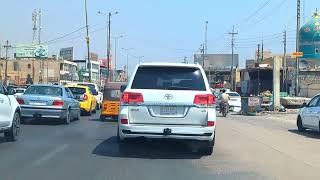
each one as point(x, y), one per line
point(169, 78)
point(77, 90)
point(44, 90)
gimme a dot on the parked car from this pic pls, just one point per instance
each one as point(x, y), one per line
point(309, 115)
point(84, 95)
point(234, 102)
point(49, 101)
point(9, 114)
point(18, 92)
point(95, 91)
point(169, 101)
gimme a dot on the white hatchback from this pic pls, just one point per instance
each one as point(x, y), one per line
point(170, 101)
point(309, 115)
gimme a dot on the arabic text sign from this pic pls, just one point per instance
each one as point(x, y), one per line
point(32, 51)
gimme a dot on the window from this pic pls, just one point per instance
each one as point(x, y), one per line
point(69, 93)
point(44, 90)
point(169, 78)
point(29, 66)
point(1, 89)
point(317, 49)
point(314, 102)
point(77, 90)
point(15, 66)
point(233, 94)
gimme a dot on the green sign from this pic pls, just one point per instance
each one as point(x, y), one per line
point(32, 51)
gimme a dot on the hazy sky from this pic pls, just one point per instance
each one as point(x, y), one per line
point(163, 30)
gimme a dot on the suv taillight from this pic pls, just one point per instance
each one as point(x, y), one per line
point(20, 101)
point(131, 98)
point(58, 103)
point(204, 99)
point(85, 97)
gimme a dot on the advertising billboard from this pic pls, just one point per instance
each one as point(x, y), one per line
point(32, 51)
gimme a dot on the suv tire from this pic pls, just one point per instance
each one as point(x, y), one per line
point(13, 133)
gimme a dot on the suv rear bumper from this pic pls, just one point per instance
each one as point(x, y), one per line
point(158, 132)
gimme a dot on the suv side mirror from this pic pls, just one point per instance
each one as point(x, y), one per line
point(304, 105)
point(122, 88)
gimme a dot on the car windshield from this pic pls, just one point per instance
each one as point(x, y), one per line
point(44, 90)
point(168, 78)
point(77, 90)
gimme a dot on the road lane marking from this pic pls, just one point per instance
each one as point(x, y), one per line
point(50, 155)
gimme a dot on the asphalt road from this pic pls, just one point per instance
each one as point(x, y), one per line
point(266, 147)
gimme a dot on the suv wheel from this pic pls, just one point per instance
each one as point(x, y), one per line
point(13, 132)
point(300, 125)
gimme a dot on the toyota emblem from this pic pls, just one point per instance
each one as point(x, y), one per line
point(168, 96)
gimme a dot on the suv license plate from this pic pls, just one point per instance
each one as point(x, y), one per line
point(168, 110)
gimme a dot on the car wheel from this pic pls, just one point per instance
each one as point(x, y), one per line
point(300, 125)
point(67, 119)
point(13, 133)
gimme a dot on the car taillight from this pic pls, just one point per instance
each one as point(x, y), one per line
point(124, 121)
point(204, 99)
point(85, 97)
point(58, 103)
point(20, 101)
point(210, 123)
point(131, 97)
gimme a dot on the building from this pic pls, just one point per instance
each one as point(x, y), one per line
point(218, 67)
point(26, 71)
point(66, 54)
point(310, 38)
point(83, 70)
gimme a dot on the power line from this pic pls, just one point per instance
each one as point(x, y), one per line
point(66, 35)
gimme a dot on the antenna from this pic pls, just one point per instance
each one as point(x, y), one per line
point(34, 28)
point(39, 29)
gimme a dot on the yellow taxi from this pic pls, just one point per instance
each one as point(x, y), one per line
point(87, 100)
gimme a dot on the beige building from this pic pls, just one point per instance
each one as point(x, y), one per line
point(38, 71)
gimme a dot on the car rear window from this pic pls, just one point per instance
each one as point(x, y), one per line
point(44, 90)
point(77, 90)
point(91, 87)
point(234, 94)
point(169, 78)
point(112, 95)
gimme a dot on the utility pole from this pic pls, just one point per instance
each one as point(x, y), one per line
point(297, 47)
point(206, 40)
point(115, 50)
point(140, 57)
point(232, 64)
point(284, 76)
point(258, 54)
point(39, 28)
point(109, 45)
point(6, 46)
point(202, 52)
point(258, 62)
point(87, 41)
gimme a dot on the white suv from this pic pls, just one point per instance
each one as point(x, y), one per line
point(9, 114)
point(170, 101)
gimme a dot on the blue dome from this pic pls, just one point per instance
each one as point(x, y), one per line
point(309, 42)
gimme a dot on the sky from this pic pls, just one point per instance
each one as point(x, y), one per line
point(162, 30)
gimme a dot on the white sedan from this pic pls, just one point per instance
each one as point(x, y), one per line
point(309, 115)
point(234, 102)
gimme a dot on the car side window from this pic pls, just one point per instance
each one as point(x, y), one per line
point(1, 89)
point(69, 93)
point(314, 102)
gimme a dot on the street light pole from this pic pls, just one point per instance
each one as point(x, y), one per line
point(87, 41)
point(140, 58)
point(115, 50)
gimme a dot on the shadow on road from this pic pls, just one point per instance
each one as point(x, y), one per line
point(47, 121)
point(157, 149)
point(309, 134)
